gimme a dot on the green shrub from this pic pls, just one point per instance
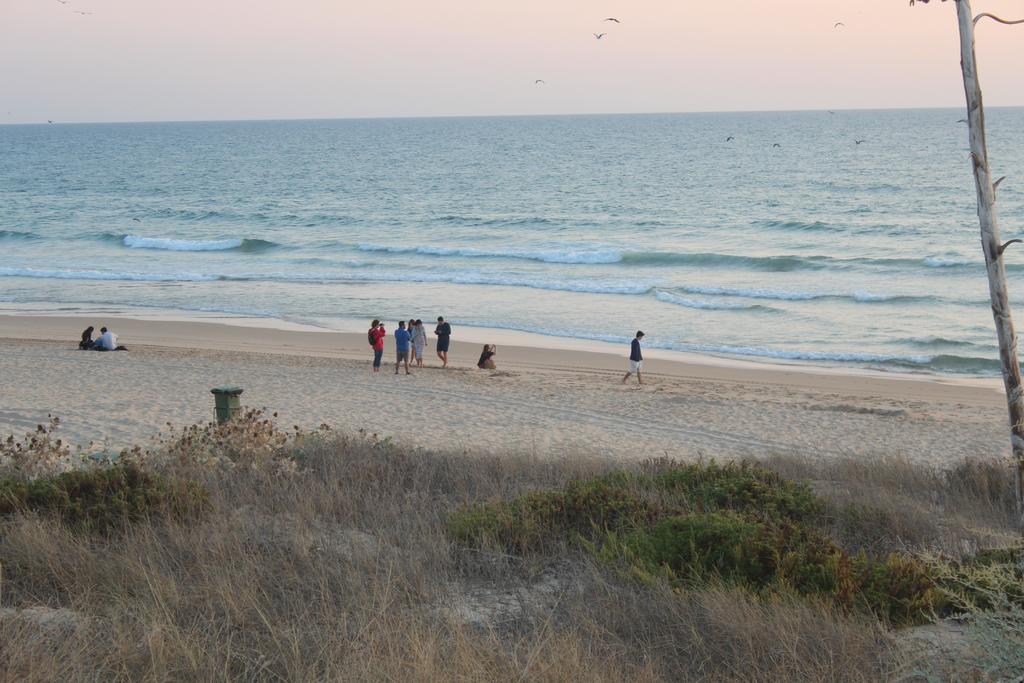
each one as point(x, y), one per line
point(103, 498)
point(899, 589)
point(693, 550)
point(536, 518)
point(743, 487)
point(692, 524)
point(623, 500)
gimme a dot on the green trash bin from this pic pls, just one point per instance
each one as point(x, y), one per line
point(226, 403)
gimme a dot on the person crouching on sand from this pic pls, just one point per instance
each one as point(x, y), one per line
point(486, 361)
point(402, 347)
point(375, 335)
point(636, 359)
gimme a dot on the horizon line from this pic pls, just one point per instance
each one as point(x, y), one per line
point(493, 116)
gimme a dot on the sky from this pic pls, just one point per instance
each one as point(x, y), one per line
point(158, 60)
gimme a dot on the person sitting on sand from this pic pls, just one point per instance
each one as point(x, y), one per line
point(443, 331)
point(375, 335)
point(402, 347)
point(419, 341)
point(107, 341)
point(486, 361)
point(636, 359)
point(87, 342)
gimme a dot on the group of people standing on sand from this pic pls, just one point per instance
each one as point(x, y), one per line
point(107, 341)
point(410, 341)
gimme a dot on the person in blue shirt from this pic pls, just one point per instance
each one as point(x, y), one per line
point(636, 359)
point(402, 338)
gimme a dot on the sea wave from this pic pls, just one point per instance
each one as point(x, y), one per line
point(800, 226)
point(779, 263)
point(464, 278)
point(554, 256)
point(943, 262)
point(806, 355)
point(938, 342)
point(17, 235)
point(783, 263)
point(370, 273)
point(782, 295)
point(172, 244)
point(704, 304)
point(102, 275)
point(493, 221)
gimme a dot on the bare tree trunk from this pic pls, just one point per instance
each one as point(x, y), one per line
point(991, 245)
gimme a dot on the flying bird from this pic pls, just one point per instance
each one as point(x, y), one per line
point(777, 145)
point(78, 11)
point(730, 139)
point(63, 2)
point(49, 121)
point(962, 121)
point(857, 142)
point(136, 220)
point(539, 81)
point(838, 24)
point(599, 36)
point(831, 112)
point(613, 19)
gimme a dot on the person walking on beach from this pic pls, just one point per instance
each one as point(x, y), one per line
point(443, 331)
point(419, 341)
point(402, 347)
point(375, 335)
point(636, 359)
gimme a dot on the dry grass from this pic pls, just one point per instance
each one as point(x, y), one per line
point(888, 505)
point(339, 568)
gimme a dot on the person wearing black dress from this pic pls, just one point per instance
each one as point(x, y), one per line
point(486, 361)
point(87, 342)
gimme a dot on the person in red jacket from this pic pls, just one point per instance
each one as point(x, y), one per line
point(375, 335)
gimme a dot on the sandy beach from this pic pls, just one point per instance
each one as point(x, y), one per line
point(547, 401)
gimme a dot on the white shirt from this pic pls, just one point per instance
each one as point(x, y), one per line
point(108, 340)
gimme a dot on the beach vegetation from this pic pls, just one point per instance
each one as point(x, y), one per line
point(102, 499)
point(698, 524)
point(321, 555)
point(37, 452)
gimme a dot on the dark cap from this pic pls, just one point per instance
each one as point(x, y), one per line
point(440, 319)
point(639, 333)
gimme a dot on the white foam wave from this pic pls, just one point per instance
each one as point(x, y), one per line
point(755, 293)
point(465, 278)
point(867, 297)
point(821, 356)
point(939, 262)
point(168, 244)
point(100, 275)
point(780, 295)
point(700, 304)
point(554, 256)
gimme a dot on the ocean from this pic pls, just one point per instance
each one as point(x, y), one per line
point(789, 241)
